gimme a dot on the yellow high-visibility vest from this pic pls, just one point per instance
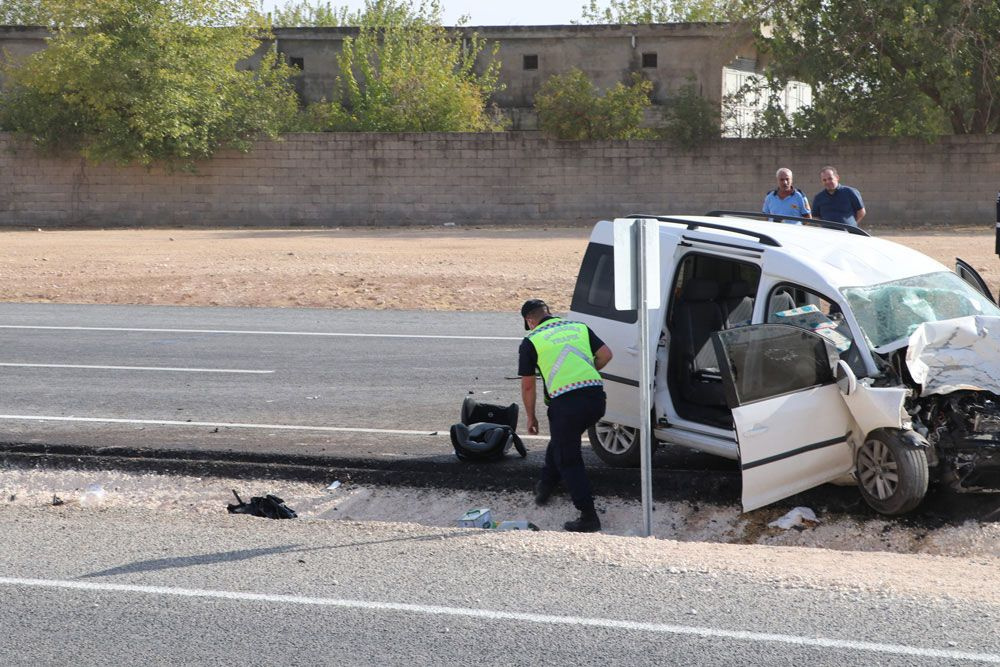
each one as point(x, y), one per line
point(564, 356)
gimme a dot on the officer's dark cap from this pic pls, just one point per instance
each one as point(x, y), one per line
point(530, 306)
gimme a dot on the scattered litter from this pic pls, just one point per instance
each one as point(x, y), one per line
point(517, 524)
point(333, 485)
point(311, 398)
point(798, 516)
point(449, 224)
point(214, 430)
point(57, 501)
point(93, 496)
point(12, 497)
point(476, 518)
point(269, 507)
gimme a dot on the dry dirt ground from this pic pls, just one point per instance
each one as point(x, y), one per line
point(442, 268)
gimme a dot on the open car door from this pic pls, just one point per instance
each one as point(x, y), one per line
point(791, 421)
point(971, 276)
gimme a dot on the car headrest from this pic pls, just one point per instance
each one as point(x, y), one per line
point(738, 289)
point(699, 289)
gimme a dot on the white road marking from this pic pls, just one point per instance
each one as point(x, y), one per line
point(137, 368)
point(259, 333)
point(488, 614)
point(280, 427)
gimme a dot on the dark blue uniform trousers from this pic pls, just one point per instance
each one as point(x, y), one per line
point(570, 415)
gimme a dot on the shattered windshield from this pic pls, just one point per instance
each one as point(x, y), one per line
point(891, 311)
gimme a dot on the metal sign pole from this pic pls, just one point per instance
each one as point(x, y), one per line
point(637, 280)
point(645, 382)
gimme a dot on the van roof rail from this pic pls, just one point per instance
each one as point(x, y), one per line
point(816, 222)
point(763, 239)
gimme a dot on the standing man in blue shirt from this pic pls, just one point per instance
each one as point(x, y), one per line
point(836, 202)
point(785, 199)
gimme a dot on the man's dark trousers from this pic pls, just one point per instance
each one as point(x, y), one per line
point(570, 415)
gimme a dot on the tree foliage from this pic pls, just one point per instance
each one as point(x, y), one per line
point(660, 11)
point(23, 12)
point(404, 72)
point(906, 67)
point(570, 107)
point(690, 119)
point(138, 81)
point(319, 14)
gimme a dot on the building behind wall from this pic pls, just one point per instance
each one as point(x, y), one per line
point(717, 58)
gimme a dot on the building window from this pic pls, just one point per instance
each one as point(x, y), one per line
point(300, 63)
point(649, 60)
point(531, 62)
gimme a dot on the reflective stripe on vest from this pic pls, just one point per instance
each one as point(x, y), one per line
point(564, 356)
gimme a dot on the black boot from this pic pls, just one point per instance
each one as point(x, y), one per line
point(543, 492)
point(587, 523)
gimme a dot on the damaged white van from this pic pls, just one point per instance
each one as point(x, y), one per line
point(808, 353)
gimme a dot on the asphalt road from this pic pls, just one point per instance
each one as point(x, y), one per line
point(180, 373)
point(355, 385)
point(125, 587)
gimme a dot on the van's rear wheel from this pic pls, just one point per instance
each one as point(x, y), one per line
point(615, 444)
point(892, 473)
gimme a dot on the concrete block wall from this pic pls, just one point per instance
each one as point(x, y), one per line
point(492, 179)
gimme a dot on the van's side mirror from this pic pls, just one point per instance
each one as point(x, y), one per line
point(847, 381)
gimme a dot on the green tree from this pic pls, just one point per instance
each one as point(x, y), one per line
point(690, 119)
point(23, 12)
point(660, 11)
point(140, 81)
point(570, 107)
point(319, 14)
point(907, 67)
point(404, 72)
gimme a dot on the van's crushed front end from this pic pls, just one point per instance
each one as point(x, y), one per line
point(964, 429)
point(956, 366)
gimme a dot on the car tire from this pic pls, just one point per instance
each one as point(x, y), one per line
point(616, 445)
point(892, 472)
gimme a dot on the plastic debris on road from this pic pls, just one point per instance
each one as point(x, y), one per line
point(517, 524)
point(269, 507)
point(798, 516)
point(93, 496)
point(333, 485)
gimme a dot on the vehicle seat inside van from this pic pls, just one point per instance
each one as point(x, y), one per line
point(697, 316)
point(779, 301)
point(737, 303)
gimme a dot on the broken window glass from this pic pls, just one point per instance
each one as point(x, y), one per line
point(891, 311)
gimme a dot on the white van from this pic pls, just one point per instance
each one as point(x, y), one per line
point(808, 353)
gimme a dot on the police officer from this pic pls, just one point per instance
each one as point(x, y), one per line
point(568, 356)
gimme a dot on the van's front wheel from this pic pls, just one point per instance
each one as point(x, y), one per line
point(892, 473)
point(615, 444)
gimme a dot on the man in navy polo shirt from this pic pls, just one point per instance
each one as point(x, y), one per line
point(785, 199)
point(836, 202)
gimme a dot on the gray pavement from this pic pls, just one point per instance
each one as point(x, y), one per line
point(127, 587)
point(321, 368)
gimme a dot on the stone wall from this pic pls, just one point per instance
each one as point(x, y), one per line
point(486, 179)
